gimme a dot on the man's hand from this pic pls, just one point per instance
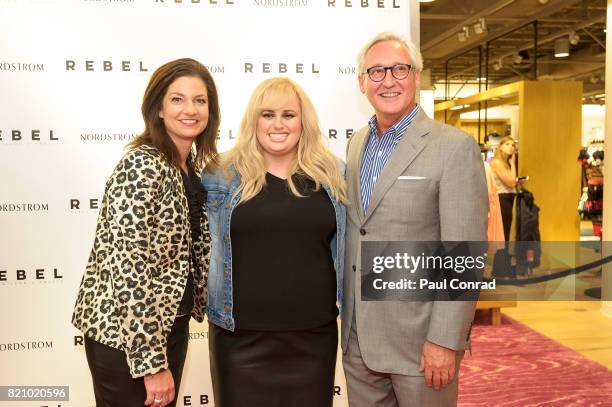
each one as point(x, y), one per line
point(160, 388)
point(438, 365)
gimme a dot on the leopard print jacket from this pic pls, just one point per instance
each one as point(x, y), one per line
point(137, 270)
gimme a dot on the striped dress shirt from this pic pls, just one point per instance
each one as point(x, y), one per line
point(377, 152)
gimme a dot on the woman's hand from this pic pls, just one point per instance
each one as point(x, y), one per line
point(160, 388)
point(506, 175)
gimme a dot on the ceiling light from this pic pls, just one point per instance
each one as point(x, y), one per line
point(574, 38)
point(464, 34)
point(497, 65)
point(562, 47)
point(517, 58)
point(594, 78)
point(481, 26)
point(542, 1)
point(426, 1)
point(482, 79)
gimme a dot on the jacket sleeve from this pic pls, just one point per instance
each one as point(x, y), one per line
point(463, 204)
point(132, 193)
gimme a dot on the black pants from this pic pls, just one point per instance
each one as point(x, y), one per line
point(505, 203)
point(272, 368)
point(112, 382)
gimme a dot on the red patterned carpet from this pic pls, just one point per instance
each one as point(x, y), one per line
point(513, 366)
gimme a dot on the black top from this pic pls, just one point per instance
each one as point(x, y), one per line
point(282, 269)
point(196, 197)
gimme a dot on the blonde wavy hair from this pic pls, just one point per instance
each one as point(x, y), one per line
point(313, 159)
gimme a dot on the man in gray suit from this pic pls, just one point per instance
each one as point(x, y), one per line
point(409, 179)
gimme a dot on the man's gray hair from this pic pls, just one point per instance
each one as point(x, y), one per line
point(416, 60)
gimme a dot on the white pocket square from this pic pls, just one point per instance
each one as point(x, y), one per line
point(410, 177)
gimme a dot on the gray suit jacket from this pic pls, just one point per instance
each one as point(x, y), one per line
point(450, 204)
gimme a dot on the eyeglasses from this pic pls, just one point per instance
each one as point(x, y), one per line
point(399, 71)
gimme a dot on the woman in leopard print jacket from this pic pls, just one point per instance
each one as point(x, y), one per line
point(147, 272)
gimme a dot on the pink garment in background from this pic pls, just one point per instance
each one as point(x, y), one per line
point(495, 230)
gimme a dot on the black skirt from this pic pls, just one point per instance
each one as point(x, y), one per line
point(273, 368)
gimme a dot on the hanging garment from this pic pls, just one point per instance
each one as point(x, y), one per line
point(594, 203)
point(495, 227)
point(528, 250)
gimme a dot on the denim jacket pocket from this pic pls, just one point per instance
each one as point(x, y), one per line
point(214, 203)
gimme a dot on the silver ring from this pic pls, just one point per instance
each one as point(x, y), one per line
point(158, 400)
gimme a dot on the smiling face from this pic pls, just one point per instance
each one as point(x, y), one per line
point(185, 109)
point(391, 98)
point(278, 130)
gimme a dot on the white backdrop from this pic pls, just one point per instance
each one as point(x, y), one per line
point(72, 75)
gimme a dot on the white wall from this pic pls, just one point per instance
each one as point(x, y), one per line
point(593, 123)
point(63, 130)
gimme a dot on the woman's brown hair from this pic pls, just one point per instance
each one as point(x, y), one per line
point(155, 131)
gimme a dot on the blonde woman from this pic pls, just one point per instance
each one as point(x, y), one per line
point(277, 221)
point(503, 166)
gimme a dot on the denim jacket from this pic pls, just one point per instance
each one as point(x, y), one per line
point(221, 201)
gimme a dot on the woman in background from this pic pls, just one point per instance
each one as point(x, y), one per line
point(503, 166)
point(277, 222)
point(147, 272)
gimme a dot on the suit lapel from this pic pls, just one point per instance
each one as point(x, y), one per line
point(354, 165)
point(409, 147)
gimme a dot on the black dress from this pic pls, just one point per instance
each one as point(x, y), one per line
point(283, 351)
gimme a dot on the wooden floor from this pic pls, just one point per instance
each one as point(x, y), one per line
point(579, 325)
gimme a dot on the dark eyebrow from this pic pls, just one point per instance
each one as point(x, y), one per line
point(180, 94)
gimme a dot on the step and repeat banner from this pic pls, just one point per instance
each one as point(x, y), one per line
point(72, 76)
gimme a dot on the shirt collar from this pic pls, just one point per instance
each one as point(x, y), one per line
point(399, 128)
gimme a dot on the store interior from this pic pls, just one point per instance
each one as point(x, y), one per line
point(535, 70)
